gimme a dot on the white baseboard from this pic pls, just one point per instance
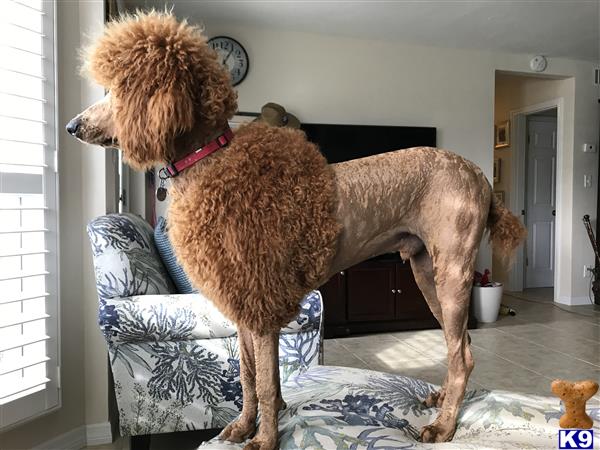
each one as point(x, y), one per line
point(98, 433)
point(574, 301)
point(80, 437)
point(71, 440)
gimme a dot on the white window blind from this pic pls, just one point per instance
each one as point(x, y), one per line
point(28, 212)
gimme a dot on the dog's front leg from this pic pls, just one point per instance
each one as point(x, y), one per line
point(244, 426)
point(266, 352)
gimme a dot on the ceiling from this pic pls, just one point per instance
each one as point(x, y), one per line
point(555, 28)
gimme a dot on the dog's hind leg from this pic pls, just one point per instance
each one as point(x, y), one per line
point(266, 353)
point(422, 269)
point(245, 425)
point(453, 269)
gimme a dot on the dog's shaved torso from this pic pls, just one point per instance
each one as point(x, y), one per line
point(386, 202)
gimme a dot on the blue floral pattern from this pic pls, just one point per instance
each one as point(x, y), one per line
point(343, 408)
point(126, 263)
point(175, 357)
point(177, 351)
point(200, 378)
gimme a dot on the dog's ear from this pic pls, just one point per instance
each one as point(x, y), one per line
point(164, 80)
point(147, 121)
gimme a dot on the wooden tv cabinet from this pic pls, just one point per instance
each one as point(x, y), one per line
point(377, 295)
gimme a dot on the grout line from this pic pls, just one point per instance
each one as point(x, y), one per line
point(551, 302)
point(506, 359)
point(548, 348)
point(524, 322)
point(477, 385)
point(551, 378)
point(344, 347)
point(360, 359)
point(575, 359)
point(429, 356)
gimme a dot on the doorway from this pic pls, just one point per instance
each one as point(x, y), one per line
point(537, 263)
point(540, 198)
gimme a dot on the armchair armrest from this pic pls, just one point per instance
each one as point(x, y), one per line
point(176, 317)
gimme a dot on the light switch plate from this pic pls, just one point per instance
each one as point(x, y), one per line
point(589, 148)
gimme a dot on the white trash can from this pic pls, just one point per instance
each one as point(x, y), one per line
point(486, 302)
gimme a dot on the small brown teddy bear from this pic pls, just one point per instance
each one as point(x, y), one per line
point(574, 395)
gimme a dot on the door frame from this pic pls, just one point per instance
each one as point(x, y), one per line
point(518, 122)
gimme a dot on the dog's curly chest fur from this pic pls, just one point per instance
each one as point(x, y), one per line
point(258, 218)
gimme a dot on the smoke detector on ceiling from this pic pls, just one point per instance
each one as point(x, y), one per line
point(538, 63)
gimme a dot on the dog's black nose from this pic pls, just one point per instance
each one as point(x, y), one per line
point(73, 126)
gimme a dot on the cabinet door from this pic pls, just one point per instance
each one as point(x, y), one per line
point(410, 303)
point(371, 291)
point(334, 299)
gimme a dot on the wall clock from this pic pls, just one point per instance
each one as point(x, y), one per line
point(232, 55)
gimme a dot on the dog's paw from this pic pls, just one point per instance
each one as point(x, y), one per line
point(261, 444)
point(238, 431)
point(435, 399)
point(437, 432)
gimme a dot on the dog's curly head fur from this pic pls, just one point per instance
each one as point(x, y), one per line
point(163, 81)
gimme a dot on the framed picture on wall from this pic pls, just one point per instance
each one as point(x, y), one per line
point(497, 170)
point(502, 138)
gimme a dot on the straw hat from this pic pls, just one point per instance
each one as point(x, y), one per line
point(276, 115)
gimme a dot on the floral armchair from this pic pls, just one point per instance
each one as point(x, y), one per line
point(174, 357)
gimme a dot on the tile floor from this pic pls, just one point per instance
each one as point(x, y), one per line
point(523, 353)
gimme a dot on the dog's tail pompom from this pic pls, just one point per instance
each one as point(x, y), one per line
point(506, 231)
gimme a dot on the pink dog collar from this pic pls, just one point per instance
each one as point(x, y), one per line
point(173, 169)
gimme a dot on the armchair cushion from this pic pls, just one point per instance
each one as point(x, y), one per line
point(176, 317)
point(125, 259)
point(126, 263)
point(163, 244)
point(346, 408)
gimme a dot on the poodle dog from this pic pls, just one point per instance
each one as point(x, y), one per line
point(258, 224)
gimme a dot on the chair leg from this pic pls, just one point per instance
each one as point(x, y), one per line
point(141, 442)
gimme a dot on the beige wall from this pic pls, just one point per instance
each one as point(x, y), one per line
point(81, 196)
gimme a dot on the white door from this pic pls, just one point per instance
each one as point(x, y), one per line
point(540, 201)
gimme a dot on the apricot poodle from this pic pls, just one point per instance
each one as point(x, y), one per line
point(258, 224)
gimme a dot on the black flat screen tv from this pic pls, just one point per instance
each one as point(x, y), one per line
point(344, 142)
